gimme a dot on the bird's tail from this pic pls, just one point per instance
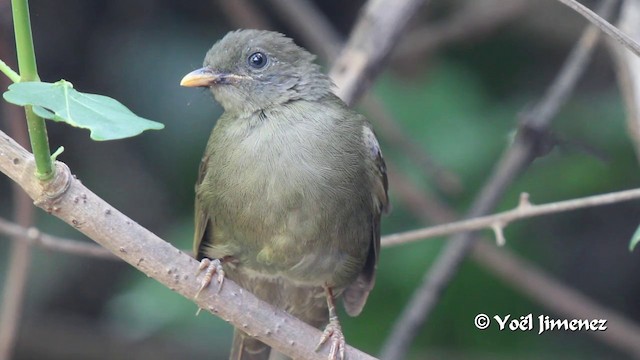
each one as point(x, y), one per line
point(245, 347)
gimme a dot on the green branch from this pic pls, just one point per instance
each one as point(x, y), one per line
point(29, 72)
point(12, 75)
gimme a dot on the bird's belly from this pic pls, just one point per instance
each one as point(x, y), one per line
point(286, 231)
point(281, 240)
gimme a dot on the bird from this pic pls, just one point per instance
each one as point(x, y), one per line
point(290, 189)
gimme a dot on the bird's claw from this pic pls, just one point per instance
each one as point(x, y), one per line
point(333, 331)
point(211, 267)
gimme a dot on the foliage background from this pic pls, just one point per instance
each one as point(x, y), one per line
point(460, 103)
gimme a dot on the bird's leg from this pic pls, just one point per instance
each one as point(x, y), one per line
point(333, 330)
point(211, 267)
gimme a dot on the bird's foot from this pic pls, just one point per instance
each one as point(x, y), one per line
point(333, 331)
point(211, 267)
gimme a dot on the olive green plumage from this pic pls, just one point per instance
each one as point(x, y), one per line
point(292, 183)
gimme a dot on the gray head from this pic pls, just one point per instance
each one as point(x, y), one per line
point(252, 70)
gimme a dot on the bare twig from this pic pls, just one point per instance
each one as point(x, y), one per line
point(380, 24)
point(501, 220)
point(306, 19)
point(628, 69)
point(514, 160)
point(17, 272)
point(543, 288)
point(33, 236)
point(604, 25)
point(535, 284)
point(13, 296)
point(523, 211)
point(17, 276)
point(477, 18)
point(574, 66)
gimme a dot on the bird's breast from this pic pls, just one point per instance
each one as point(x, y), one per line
point(277, 202)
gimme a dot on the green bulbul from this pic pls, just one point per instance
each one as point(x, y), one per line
point(291, 186)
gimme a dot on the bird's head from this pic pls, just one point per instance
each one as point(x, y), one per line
point(252, 70)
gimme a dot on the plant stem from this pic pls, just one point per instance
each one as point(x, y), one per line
point(12, 75)
point(29, 72)
point(24, 40)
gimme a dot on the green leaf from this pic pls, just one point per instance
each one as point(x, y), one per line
point(635, 239)
point(106, 118)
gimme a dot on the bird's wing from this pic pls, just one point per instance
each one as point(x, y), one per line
point(379, 170)
point(202, 218)
point(355, 296)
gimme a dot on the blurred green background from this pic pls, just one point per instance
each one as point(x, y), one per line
point(459, 101)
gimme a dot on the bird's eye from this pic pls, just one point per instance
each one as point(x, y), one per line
point(257, 60)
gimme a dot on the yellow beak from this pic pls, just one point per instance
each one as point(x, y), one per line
point(206, 77)
point(201, 77)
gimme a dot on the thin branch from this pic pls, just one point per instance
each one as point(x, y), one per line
point(68, 199)
point(534, 283)
point(524, 210)
point(513, 162)
point(541, 287)
point(305, 18)
point(477, 18)
point(378, 28)
point(8, 71)
point(18, 270)
point(19, 265)
point(558, 93)
point(604, 25)
point(628, 69)
point(33, 236)
point(503, 219)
